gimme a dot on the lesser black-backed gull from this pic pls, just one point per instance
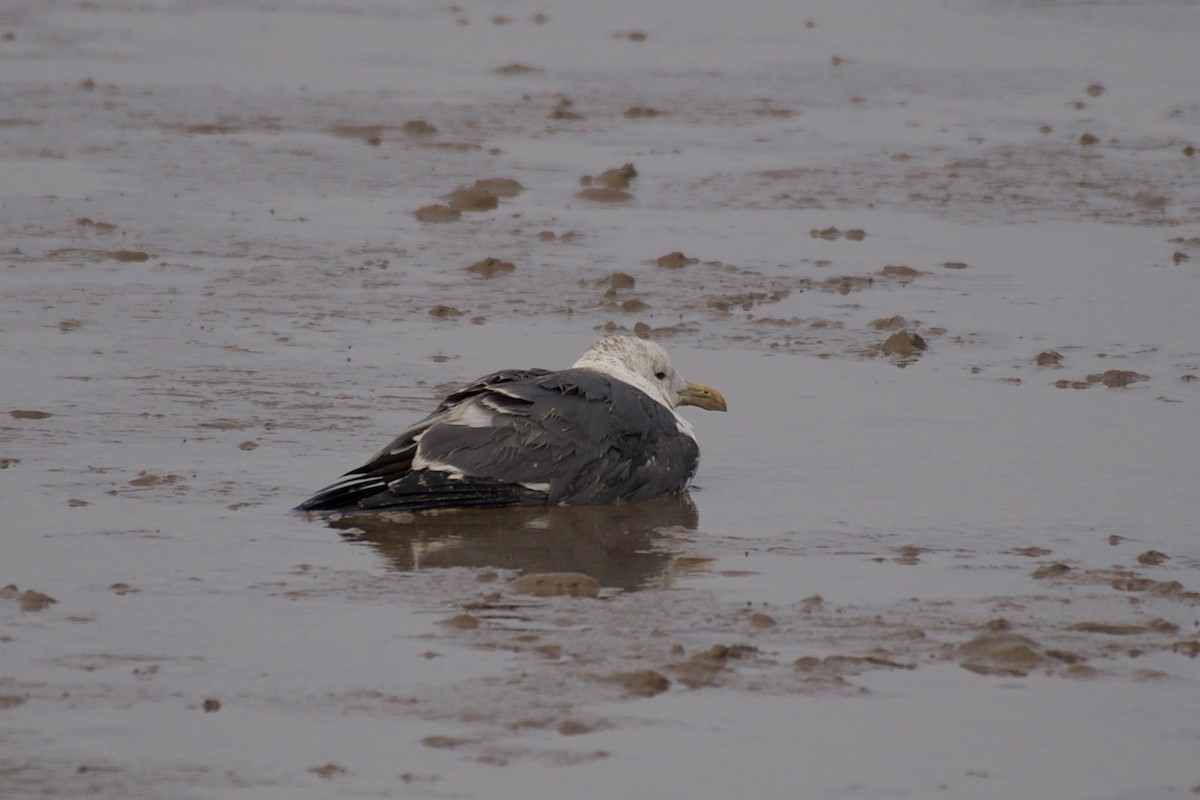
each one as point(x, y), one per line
point(603, 431)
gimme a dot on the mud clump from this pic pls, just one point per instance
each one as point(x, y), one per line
point(28, 600)
point(597, 194)
point(903, 344)
point(831, 233)
point(28, 413)
point(516, 69)
point(1048, 358)
point(643, 683)
point(1001, 653)
point(418, 127)
point(211, 705)
point(900, 272)
point(491, 267)
point(1117, 378)
point(500, 187)
point(446, 312)
point(890, 323)
point(99, 227)
point(461, 622)
point(1152, 558)
point(1087, 140)
point(556, 584)
point(145, 479)
point(328, 771)
point(675, 260)
point(437, 213)
point(705, 667)
point(471, 198)
point(1055, 570)
point(1113, 379)
point(616, 178)
point(129, 256)
point(641, 112)
point(618, 281)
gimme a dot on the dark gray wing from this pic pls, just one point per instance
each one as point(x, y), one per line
point(518, 438)
point(392, 464)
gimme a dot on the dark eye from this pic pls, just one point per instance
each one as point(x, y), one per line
point(660, 375)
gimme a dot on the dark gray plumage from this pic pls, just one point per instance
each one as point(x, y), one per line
point(602, 431)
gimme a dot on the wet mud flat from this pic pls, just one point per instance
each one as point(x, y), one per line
point(942, 263)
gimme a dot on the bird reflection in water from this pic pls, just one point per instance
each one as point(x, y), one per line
point(621, 545)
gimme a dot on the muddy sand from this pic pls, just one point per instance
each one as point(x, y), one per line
point(941, 259)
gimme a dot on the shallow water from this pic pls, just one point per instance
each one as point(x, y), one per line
point(968, 569)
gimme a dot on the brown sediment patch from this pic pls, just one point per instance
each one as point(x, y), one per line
point(1117, 378)
point(500, 187)
point(1032, 552)
point(364, 132)
point(1050, 571)
point(28, 413)
point(838, 665)
point(604, 195)
point(954, 265)
point(1001, 653)
point(98, 227)
point(615, 178)
point(642, 112)
point(329, 770)
point(516, 69)
point(634, 305)
point(28, 600)
point(1125, 629)
point(890, 323)
point(675, 260)
point(418, 127)
point(491, 267)
point(446, 312)
point(472, 198)
point(129, 255)
point(761, 620)
point(908, 554)
point(446, 742)
point(903, 344)
point(554, 584)
point(1152, 558)
point(901, 272)
point(1048, 358)
point(705, 668)
point(845, 284)
point(461, 622)
point(643, 683)
point(618, 281)
point(147, 478)
point(437, 213)
point(831, 233)
point(211, 128)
